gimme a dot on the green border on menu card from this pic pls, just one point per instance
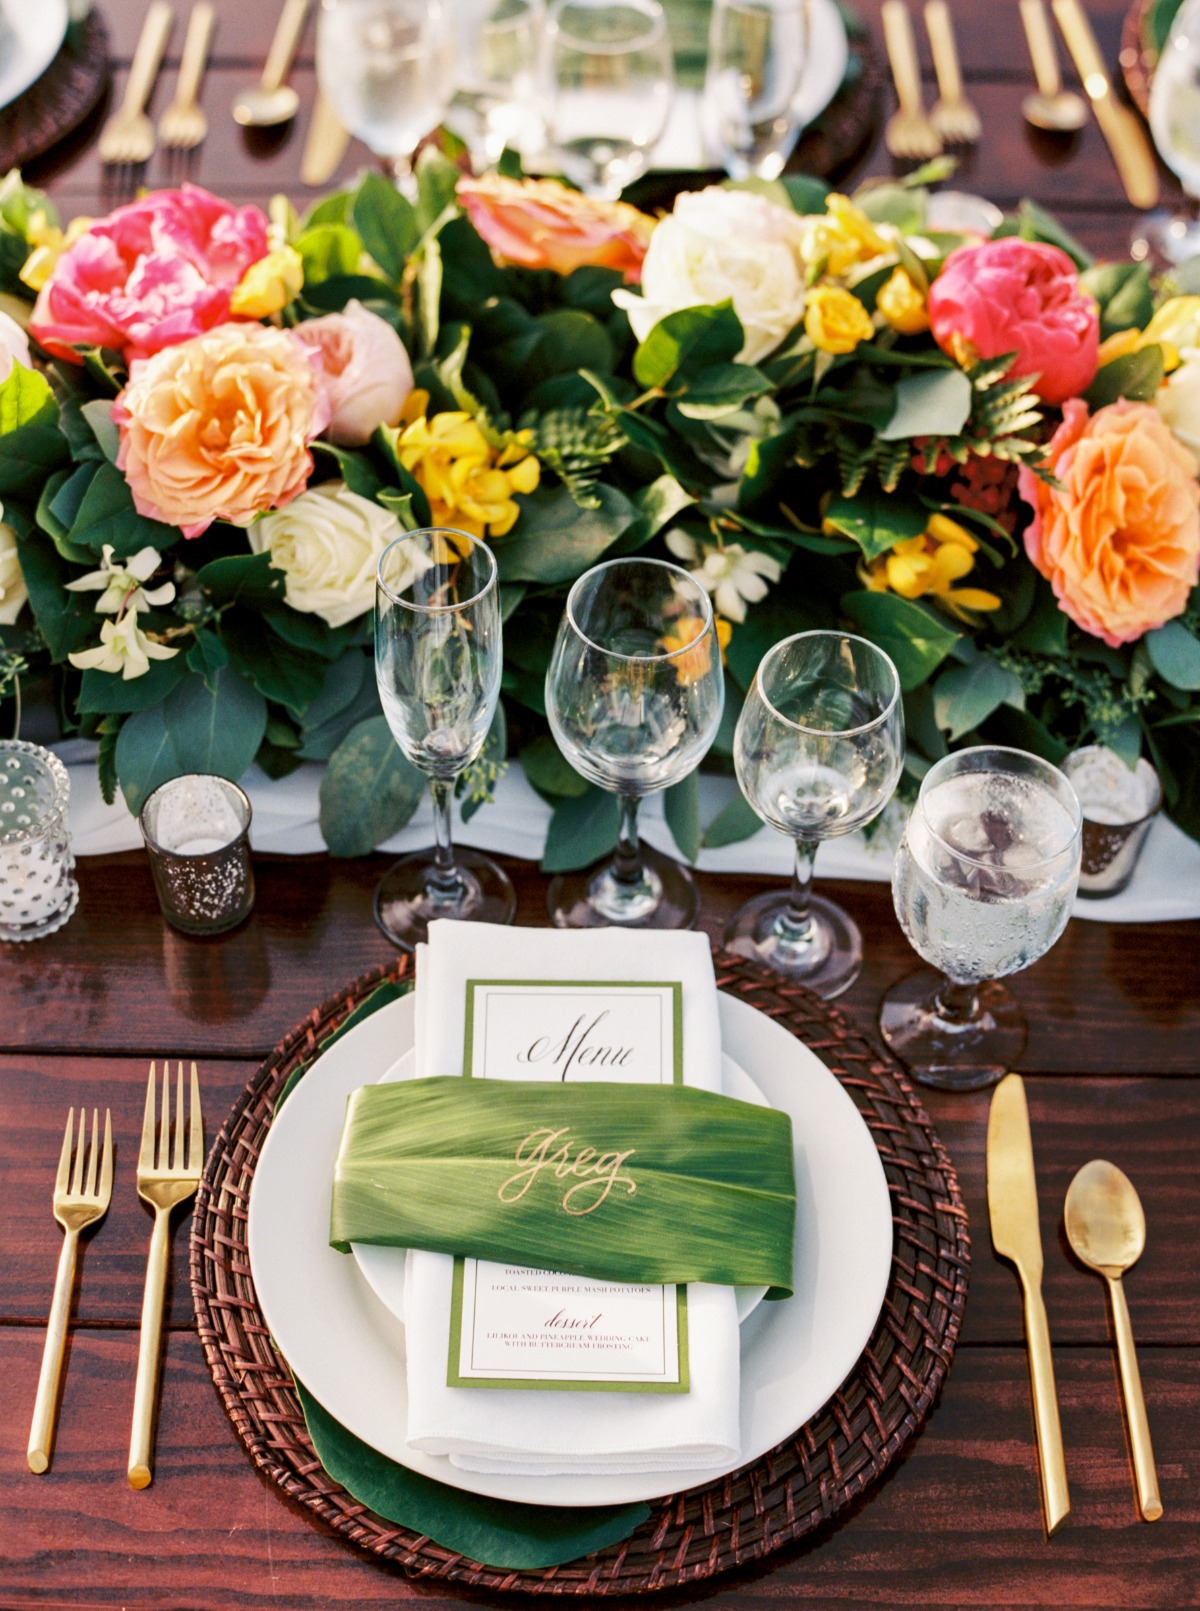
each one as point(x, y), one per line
point(453, 1377)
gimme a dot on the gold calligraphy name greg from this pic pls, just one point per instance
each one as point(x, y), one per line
point(597, 1172)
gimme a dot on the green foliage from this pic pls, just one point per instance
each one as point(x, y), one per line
point(191, 730)
point(1175, 654)
point(369, 790)
point(1137, 375)
point(917, 640)
point(555, 541)
point(691, 342)
point(576, 445)
point(583, 829)
point(875, 521)
point(1124, 294)
point(681, 807)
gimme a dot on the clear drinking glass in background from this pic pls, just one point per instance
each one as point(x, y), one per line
point(607, 77)
point(983, 884)
point(438, 659)
point(197, 833)
point(1175, 125)
point(757, 51)
point(818, 749)
point(494, 103)
point(387, 67)
point(634, 693)
point(38, 892)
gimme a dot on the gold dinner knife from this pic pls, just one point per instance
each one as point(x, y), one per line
point(1126, 138)
point(1012, 1204)
point(325, 145)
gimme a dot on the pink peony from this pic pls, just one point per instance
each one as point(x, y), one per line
point(368, 375)
point(149, 275)
point(1018, 296)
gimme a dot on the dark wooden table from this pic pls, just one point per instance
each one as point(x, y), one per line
point(1113, 1065)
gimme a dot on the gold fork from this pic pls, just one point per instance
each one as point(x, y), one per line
point(952, 115)
point(164, 1180)
point(909, 134)
point(183, 125)
point(128, 136)
point(76, 1204)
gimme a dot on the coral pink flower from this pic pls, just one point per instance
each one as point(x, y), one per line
point(1018, 296)
point(539, 223)
point(1119, 541)
point(149, 275)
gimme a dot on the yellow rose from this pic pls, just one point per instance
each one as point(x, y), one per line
point(844, 236)
point(268, 285)
point(49, 243)
point(903, 305)
point(835, 321)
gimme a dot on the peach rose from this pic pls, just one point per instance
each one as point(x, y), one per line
point(368, 375)
point(218, 427)
point(538, 223)
point(1119, 541)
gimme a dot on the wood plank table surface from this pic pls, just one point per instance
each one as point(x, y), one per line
point(1113, 1070)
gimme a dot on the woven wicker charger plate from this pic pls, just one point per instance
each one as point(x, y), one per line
point(58, 102)
point(786, 1495)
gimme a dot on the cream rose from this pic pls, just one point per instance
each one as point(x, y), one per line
point(368, 375)
point(719, 245)
point(14, 346)
point(13, 591)
point(327, 543)
point(1178, 399)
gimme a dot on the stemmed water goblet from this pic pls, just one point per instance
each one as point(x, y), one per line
point(387, 67)
point(608, 78)
point(493, 104)
point(983, 884)
point(1174, 117)
point(634, 693)
point(756, 57)
point(438, 662)
point(818, 749)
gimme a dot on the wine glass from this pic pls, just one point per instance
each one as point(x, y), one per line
point(634, 693)
point(983, 884)
point(438, 660)
point(1175, 124)
point(387, 67)
point(607, 83)
point(756, 58)
point(493, 104)
point(818, 751)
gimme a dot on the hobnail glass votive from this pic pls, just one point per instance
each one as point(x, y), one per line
point(197, 833)
point(37, 890)
point(1119, 804)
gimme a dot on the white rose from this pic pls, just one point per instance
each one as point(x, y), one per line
point(368, 375)
point(718, 245)
point(14, 346)
point(327, 543)
point(13, 591)
point(1178, 399)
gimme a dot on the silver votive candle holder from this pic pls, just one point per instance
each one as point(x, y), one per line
point(197, 833)
point(38, 891)
point(1119, 804)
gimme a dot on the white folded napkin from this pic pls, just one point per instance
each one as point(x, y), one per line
point(551, 1433)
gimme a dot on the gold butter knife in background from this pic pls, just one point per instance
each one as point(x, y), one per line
point(1012, 1205)
point(1126, 138)
point(325, 144)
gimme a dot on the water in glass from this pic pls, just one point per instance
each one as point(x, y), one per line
point(756, 58)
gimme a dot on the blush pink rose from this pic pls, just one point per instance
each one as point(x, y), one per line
point(1119, 538)
point(539, 223)
point(218, 427)
point(151, 274)
point(1018, 296)
point(367, 371)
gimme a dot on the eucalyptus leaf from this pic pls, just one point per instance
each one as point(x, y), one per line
point(913, 636)
point(107, 516)
point(98, 414)
point(581, 831)
point(876, 520)
point(721, 390)
point(110, 693)
point(681, 807)
point(192, 730)
point(386, 222)
point(67, 621)
point(691, 340)
point(737, 820)
point(556, 541)
point(965, 696)
point(549, 771)
point(934, 403)
point(1124, 294)
point(1175, 653)
point(288, 676)
point(248, 579)
point(30, 454)
point(1137, 375)
point(369, 790)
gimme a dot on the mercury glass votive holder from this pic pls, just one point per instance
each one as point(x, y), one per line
point(38, 892)
point(197, 833)
point(1119, 804)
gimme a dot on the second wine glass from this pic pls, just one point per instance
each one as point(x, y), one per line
point(756, 58)
point(634, 694)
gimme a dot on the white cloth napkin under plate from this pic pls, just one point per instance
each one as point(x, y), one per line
point(550, 1433)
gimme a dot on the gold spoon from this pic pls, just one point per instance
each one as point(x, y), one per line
point(1107, 1230)
point(1053, 107)
point(271, 100)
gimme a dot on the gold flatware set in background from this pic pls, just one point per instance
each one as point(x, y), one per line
point(170, 1161)
point(1107, 1232)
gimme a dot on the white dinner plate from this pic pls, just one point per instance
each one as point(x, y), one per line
point(30, 33)
point(348, 1349)
point(383, 1267)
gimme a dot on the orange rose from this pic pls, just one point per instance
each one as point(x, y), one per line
point(1119, 542)
point(218, 427)
point(538, 223)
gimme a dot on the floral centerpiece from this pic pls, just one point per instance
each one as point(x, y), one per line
point(979, 453)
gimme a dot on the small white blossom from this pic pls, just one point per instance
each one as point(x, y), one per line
point(733, 575)
point(123, 647)
point(120, 584)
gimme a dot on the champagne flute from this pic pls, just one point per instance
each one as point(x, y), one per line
point(818, 750)
point(387, 67)
point(493, 104)
point(983, 884)
point(634, 693)
point(438, 660)
point(607, 83)
point(756, 59)
point(1175, 125)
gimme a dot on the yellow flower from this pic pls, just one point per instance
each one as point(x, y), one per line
point(903, 305)
point(268, 285)
point(1175, 325)
point(49, 243)
point(689, 668)
point(929, 566)
point(469, 484)
point(835, 321)
point(844, 236)
point(855, 226)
